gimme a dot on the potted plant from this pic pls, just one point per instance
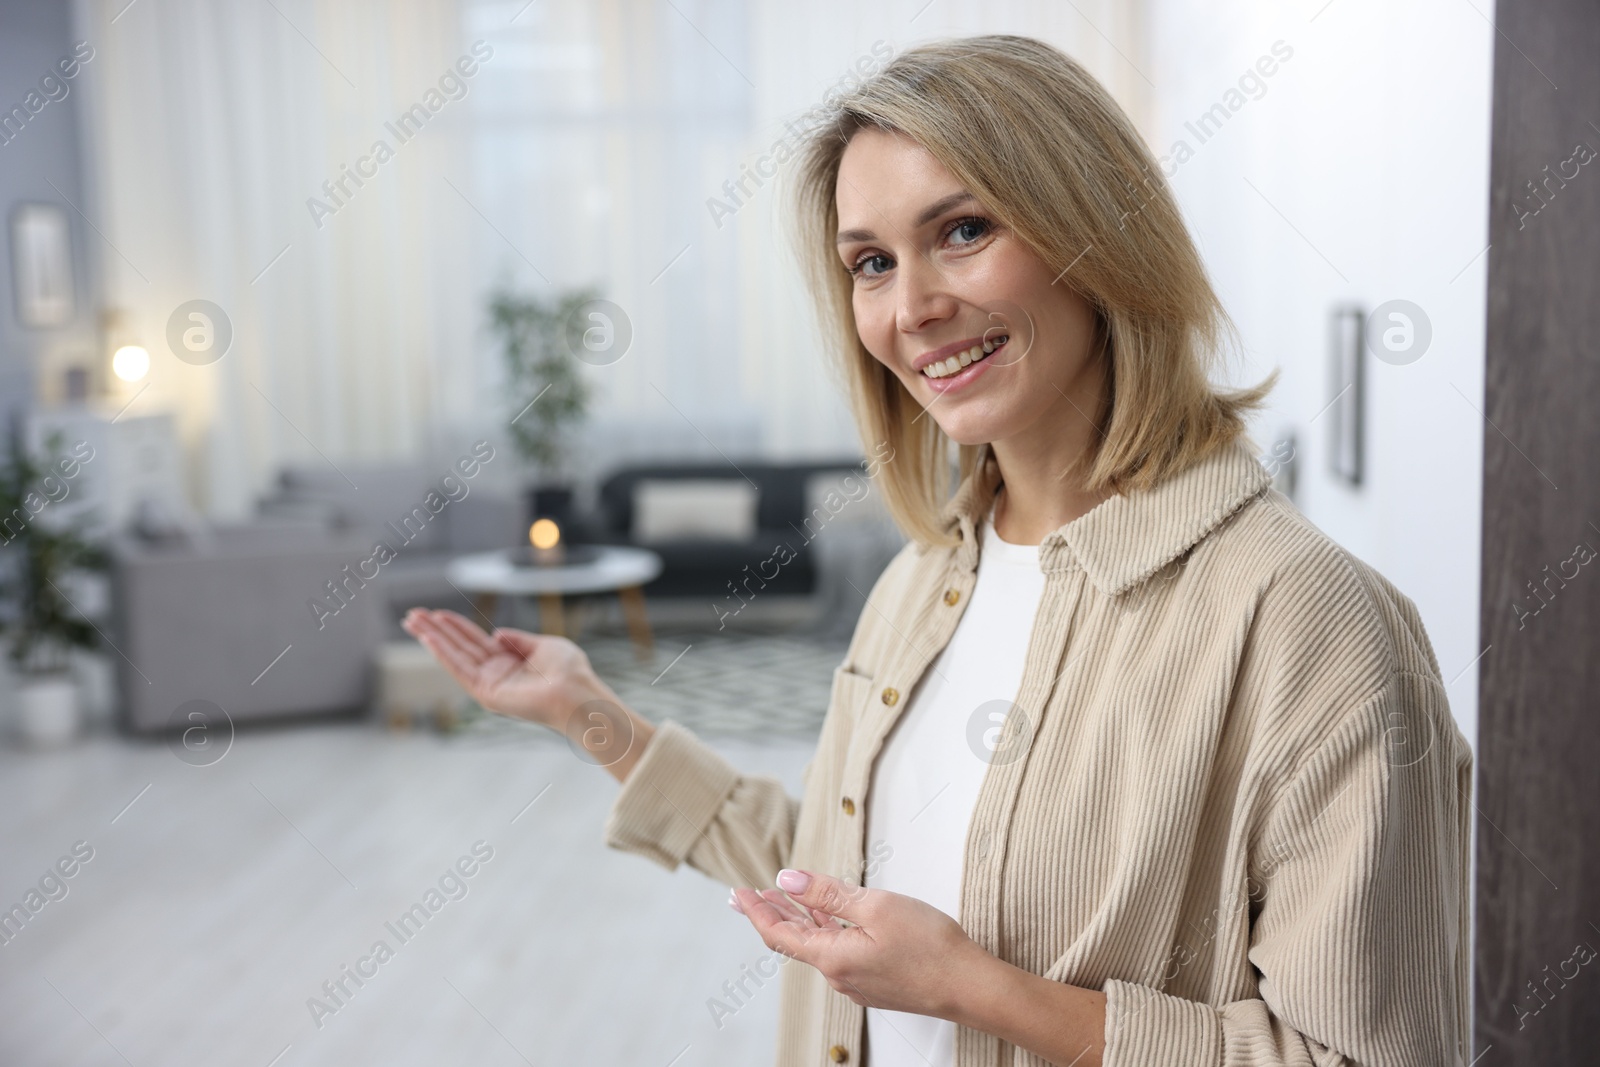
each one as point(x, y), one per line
point(547, 393)
point(37, 553)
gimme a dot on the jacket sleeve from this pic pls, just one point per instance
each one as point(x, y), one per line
point(683, 802)
point(1359, 940)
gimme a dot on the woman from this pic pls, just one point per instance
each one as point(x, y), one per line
point(1126, 761)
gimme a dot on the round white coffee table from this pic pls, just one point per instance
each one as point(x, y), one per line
point(613, 569)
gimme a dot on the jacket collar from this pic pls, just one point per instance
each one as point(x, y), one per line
point(1127, 538)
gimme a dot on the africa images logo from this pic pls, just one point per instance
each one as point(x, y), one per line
point(199, 332)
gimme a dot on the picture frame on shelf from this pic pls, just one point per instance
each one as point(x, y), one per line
point(41, 265)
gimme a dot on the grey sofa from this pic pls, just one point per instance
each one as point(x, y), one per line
point(381, 508)
point(205, 613)
point(221, 616)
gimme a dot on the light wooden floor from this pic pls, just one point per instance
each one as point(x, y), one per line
point(221, 900)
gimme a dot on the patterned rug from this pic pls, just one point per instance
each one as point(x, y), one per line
point(749, 685)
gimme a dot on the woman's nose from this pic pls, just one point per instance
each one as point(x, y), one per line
point(925, 294)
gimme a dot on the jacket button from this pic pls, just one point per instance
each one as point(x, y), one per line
point(838, 1054)
point(891, 695)
point(848, 805)
point(951, 596)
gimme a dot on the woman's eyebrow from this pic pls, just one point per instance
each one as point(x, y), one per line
point(931, 212)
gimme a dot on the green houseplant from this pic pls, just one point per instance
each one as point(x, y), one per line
point(37, 552)
point(547, 394)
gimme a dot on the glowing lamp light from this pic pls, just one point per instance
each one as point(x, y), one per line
point(545, 537)
point(130, 363)
point(544, 534)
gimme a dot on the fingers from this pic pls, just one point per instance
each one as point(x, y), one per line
point(467, 633)
point(799, 912)
point(456, 632)
point(461, 667)
point(773, 905)
point(418, 624)
point(824, 893)
point(786, 907)
point(419, 621)
point(811, 917)
point(783, 926)
point(779, 926)
point(449, 651)
point(472, 642)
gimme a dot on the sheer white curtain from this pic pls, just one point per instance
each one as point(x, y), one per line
point(210, 127)
point(586, 151)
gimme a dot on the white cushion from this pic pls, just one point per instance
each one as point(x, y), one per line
point(718, 509)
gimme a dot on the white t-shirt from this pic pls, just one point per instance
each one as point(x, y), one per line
point(926, 778)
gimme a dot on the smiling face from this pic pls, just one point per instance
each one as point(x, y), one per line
point(936, 276)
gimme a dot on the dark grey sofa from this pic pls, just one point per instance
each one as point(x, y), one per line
point(702, 567)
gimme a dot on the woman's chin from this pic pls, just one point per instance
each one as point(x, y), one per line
point(966, 430)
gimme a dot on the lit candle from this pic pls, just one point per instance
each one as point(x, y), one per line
point(545, 537)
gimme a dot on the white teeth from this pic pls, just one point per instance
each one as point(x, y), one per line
point(962, 359)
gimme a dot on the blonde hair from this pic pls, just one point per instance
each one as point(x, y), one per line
point(1042, 145)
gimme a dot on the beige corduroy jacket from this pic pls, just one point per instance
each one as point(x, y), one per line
point(1234, 797)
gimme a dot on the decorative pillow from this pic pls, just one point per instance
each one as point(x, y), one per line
point(713, 509)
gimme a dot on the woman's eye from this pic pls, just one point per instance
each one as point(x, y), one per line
point(860, 269)
point(970, 229)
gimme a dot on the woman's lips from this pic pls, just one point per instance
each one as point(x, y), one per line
point(965, 376)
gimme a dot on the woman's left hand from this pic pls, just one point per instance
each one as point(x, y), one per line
point(897, 954)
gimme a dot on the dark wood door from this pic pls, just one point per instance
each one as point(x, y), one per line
point(1537, 921)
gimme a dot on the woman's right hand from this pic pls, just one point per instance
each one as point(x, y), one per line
point(538, 677)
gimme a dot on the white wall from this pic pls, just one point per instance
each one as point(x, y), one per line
point(1359, 174)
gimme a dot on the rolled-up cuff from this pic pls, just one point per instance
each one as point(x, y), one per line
point(670, 796)
point(1148, 1028)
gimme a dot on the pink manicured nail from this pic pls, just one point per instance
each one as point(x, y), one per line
point(793, 881)
point(733, 901)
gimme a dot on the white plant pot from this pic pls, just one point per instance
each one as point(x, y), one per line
point(47, 709)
